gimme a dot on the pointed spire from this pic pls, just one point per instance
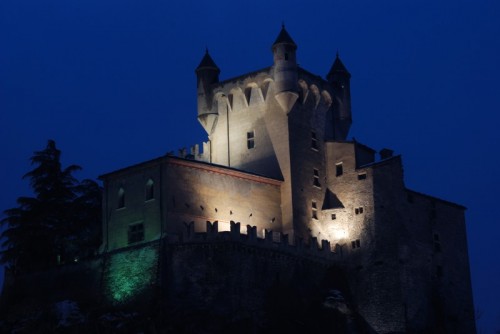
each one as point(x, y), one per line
point(284, 38)
point(207, 63)
point(338, 67)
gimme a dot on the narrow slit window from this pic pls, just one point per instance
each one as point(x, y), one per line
point(316, 178)
point(150, 193)
point(314, 141)
point(437, 243)
point(121, 198)
point(250, 140)
point(314, 209)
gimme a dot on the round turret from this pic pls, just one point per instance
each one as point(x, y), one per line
point(339, 77)
point(207, 74)
point(285, 70)
point(207, 71)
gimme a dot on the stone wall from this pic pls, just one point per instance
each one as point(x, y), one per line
point(186, 191)
point(438, 235)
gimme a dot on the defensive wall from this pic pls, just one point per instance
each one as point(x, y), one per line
point(230, 274)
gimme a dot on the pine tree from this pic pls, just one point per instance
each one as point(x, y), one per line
point(46, 229)
point(87, 209)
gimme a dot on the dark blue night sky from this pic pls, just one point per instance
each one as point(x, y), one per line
point(113, 83)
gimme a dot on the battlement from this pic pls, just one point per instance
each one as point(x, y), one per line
point(194, 152)
point(274, 241)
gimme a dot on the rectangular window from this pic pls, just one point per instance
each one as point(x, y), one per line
point(334, 216)
point(250, 140)
point(355, 244)
point(314, 141)
point(339, 169)
point(314, 210)
point(362, 176)
point(316, 178)
point(135, 233)
point(359, 210)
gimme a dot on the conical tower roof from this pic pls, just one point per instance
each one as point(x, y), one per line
point(207, 63)
point(338, 67)
point(284, 38)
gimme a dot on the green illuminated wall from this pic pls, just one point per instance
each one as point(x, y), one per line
point(129, 273)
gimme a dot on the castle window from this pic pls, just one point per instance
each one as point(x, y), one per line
point(362, 176)
point(316, 178)
point(355, 244)
point(135, 233)
point(149, 190)
point(250, 140)
point(286, 56)
point(359, 210)
point(314, 141)
point(314, 210)
point(437, 243)
point(121, 198)
point(339, 169)
point(334, 216)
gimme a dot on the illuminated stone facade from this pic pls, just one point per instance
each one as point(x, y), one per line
point(278, 160)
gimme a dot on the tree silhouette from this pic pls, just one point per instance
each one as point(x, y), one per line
point(52, 226)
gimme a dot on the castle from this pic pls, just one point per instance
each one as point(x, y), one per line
point(277, 186)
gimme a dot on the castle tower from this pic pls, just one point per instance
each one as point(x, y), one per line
point(340, 78)
point(285, 70)
point(207, 74)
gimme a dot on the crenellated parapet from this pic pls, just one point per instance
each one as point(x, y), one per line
point(193, 152)
point(250, 91)
point(272, 241)
point(243, 92)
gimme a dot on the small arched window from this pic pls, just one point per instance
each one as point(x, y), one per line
point(150, 190)
point(121, 198)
